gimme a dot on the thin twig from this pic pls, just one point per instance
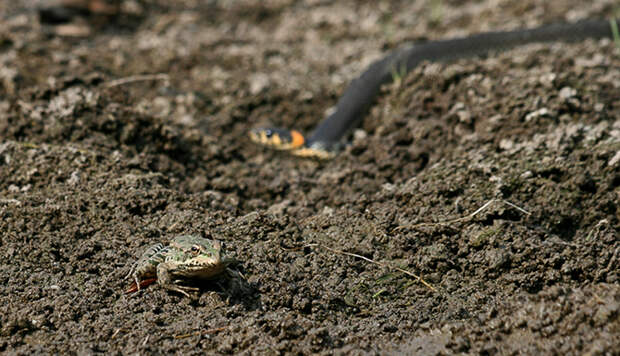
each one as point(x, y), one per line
point(136, 78)
point(185, 336)
point(448, 222)
point(375, 262)
point(116, 332)
point(516, 207)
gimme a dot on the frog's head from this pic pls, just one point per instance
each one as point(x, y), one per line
point(196, 257)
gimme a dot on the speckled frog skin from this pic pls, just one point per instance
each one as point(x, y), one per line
point(186, 258)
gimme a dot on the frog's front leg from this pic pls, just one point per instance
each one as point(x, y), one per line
point(164, 279)
point(146, 266)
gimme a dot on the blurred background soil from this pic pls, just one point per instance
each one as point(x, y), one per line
point(93, 170)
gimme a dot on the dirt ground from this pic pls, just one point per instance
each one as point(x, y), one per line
point(93, 171)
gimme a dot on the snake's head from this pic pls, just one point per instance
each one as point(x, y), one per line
point(293, 142)
point(279, 139)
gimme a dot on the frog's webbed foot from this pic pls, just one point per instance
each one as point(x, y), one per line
point(133, 273)
point(229, 261)
point(233, 273)
point(164, 279)
point(181, 289)
point(237, 283)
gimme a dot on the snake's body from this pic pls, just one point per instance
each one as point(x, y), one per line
point(360, 94)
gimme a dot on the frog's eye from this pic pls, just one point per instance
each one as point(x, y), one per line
point(195, 249)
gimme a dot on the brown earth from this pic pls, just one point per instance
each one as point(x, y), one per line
point(93, 173)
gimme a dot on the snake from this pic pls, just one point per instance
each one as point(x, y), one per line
point(327, 138)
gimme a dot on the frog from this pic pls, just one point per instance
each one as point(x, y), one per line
point(185, 258)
